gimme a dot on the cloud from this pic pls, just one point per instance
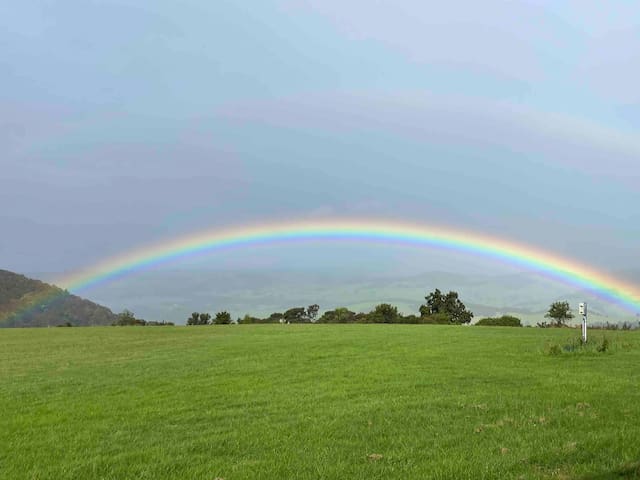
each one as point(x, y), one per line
point(611, 65)
point(553, 139)
point(493, 37)
point(554, 48)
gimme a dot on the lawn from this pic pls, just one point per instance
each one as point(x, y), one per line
point(316, 402)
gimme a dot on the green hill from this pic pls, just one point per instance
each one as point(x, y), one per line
point(25, 302)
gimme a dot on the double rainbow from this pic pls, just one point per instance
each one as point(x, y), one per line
point(569, 271)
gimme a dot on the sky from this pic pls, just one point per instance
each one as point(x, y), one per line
point(125, 123)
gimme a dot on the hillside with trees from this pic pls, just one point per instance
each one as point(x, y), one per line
point(25, 302)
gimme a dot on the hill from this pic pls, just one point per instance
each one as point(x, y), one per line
point(26, 302)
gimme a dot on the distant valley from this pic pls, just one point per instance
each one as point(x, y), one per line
point(172, 295)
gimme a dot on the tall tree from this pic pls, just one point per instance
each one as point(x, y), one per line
point(223, 318)
point(205, 319)
point(384, 313)
point(312, 312)
point(295, 315)
point(434, 304)
point(449, 305)
point(560, 312)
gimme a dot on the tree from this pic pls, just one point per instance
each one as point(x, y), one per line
point(339, 315)
point(194, 319)
point(274, 318)
point(128, 318)
point(435, 303)
point(312, 312)
point(295, 315)
point(248, 319)
point(384, 313)
point(560, 312)
point(223, 318)
point(199, 319)
point(449, 304)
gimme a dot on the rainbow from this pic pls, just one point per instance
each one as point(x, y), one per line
point(554, 266)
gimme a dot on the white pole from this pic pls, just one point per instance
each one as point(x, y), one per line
point(583, 312)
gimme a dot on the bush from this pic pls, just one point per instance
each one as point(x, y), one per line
point(339, 315)
point(436, 319)
point(503, 321)
point(223, 318)
point(385, 313)
point(127, 318)
point(595, 345)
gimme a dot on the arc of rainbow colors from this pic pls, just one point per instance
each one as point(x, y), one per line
point(385, 231)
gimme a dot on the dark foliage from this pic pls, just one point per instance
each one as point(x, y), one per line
point(339, 315)
point(295, 315)
point(198, 318)
point(385, 313)
point(312, 312)
point(560, 312)
point(449, 304)
point(503, 321)
point(223, 318)
point(436, 319)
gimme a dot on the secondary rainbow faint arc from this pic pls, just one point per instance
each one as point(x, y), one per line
point(564, 269)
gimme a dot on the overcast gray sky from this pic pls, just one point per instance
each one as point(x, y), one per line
point(128, 122)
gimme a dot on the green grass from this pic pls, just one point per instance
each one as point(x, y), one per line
point(314, 401)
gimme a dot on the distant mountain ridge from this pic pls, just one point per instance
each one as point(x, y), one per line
point(26, 302)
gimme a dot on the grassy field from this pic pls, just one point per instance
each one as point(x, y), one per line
point(316, 401)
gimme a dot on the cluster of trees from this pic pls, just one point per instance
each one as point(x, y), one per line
point(382, 313)
point(293, 315)
point(439, 309)
point(127, 318)
point(221, 318)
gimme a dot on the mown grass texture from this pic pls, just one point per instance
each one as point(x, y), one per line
point(316, 402)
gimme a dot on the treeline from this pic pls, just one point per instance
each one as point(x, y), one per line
point(220, 318)
point(439, 308)
point(127, 318)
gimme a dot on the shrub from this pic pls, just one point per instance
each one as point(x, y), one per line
point(436, 319)
point(503, 321)
point(223, 318)
point(384, 313)
point(339, 315)
point(604, 345)
point(595, 345)
point(248, 319)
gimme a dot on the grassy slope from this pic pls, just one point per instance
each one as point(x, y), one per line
point(246, 402)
